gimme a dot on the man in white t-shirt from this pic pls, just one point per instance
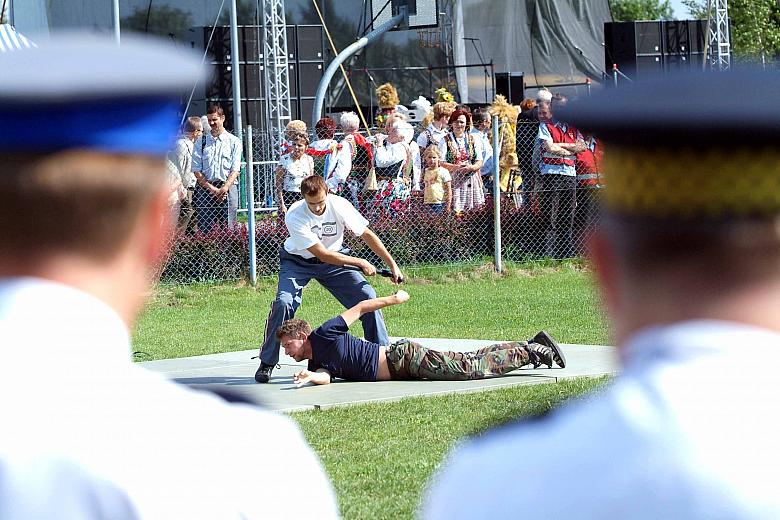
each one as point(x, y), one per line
point(316, 226)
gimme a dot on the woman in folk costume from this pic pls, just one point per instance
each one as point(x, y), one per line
point(462, 158)
point(292, 129)
point(397, 168)
point(329, 161)
point(292, 169)
point(387, 97)
point(435, 124)
point(361, 160)
point(509, 166)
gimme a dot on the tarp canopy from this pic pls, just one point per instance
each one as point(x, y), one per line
point(550, 41)
point(11, 39)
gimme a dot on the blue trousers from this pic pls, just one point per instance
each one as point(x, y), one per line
point(348, 287)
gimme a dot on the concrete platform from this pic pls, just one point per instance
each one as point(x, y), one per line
point(235, 372)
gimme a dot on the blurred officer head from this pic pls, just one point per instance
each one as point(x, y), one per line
point(691, 220)
point(84, 198)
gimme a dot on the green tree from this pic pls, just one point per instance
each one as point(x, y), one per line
point(755, 26)
point(629, 10)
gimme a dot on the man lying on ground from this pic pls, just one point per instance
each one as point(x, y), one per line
point(333, 352)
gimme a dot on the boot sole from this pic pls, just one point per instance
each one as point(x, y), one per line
point(545, 339)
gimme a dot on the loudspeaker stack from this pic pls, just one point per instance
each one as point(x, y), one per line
point(649, 48)
point(306, 55)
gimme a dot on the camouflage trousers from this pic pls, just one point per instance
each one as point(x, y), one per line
point(409, 360)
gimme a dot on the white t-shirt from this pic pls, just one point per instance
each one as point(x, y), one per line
point(307, 229)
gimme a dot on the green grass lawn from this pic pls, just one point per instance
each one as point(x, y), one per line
point(455, 303)
point(379, 456)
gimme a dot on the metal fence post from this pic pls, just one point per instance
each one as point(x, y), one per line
point(496, 196)
point(250, 205)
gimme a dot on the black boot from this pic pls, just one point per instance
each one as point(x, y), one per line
point(546, 351)
point(263, 374)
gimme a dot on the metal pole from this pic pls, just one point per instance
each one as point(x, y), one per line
point(234, 65)
point(614, 73)
point(496, 197)
point(342, 57)
point(250, 204)
point(115, 19)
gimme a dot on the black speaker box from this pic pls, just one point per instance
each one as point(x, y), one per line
point(676, 37)
point(306, 108)
point(511, 85)
point(309, 76)
point(292, 77)
point(311, 45)
point(292, 53)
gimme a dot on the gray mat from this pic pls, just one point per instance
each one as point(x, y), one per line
point(234, 371)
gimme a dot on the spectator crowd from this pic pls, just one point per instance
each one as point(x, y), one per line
point(547, 168)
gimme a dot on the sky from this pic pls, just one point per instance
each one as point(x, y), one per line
point(679, 10)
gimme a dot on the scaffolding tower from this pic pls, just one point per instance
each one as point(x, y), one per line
point(275, 70)
point(719, 40)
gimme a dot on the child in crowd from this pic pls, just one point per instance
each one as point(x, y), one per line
point(438, 182)
point(293, 168)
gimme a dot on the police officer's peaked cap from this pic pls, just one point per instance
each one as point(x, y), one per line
point(688, 146)
point(80, 91)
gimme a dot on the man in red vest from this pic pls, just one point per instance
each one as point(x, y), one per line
point(559, 145)
point(588, 166)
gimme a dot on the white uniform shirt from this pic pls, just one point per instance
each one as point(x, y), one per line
point(688, 431)
point(88, 434)
point(307, 229)
point(295, 171)
point(221, 155)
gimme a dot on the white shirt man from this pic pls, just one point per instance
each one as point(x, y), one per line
point(307, 228)
point(216, 163)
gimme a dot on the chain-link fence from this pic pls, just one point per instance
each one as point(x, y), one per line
point(424, 215)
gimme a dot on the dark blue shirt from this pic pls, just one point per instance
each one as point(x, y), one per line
point(342, 354)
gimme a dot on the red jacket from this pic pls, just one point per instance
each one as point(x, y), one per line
point(561, 133)
point(589, 164)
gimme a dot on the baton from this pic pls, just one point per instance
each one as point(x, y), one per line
point(381, 272)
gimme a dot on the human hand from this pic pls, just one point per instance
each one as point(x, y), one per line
point(223, 193)
point(302, 378)
point(367, 267)
point(401, 296)
point(398, 277)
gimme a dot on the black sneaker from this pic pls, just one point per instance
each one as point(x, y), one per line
point(549, 348)
point(263, 374)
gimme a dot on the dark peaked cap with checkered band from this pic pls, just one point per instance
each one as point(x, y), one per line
point(688, 146)
point(85, 91)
